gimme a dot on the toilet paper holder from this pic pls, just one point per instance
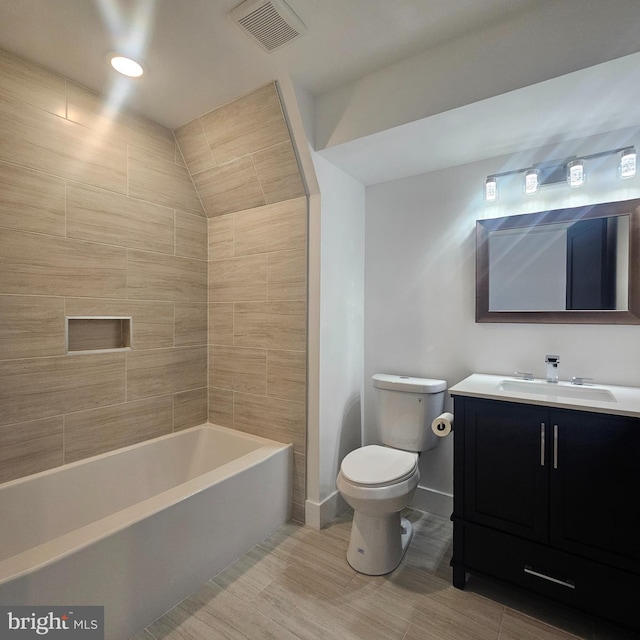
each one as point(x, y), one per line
point(442, 426)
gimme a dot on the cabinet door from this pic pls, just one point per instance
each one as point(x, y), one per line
point(506, 467)
point(595, 487)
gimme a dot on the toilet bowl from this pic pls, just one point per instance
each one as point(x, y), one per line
point(379, 535)
point(378, 482)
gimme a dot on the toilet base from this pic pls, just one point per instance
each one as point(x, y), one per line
point(378, 544)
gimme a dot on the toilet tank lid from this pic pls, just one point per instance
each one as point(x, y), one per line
point(408, 384)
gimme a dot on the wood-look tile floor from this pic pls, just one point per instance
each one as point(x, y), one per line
point(297, 584)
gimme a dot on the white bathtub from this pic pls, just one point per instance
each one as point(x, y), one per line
point(138, 529)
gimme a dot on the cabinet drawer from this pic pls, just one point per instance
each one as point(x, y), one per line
point(599, 589)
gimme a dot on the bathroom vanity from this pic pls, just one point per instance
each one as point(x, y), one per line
point(546, 490)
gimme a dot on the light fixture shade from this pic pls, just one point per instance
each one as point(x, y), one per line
point(531, 181)
point(491, 189)
point(627, 167)
point(575, 173)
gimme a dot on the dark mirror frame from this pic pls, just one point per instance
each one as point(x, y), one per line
point(484, 227)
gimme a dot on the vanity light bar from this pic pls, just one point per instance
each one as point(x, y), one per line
point(573, 169)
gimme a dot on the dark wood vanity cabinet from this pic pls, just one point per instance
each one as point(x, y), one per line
point(549, 499)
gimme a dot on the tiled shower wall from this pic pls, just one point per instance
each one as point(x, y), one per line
point(98, 217)
point(242, 162)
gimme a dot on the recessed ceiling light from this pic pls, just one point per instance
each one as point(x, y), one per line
point(126, 66)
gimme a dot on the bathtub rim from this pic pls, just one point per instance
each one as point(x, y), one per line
point(56, 549)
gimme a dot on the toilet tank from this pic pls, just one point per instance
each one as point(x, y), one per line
point(405, 407)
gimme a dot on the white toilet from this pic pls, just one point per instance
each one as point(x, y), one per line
point(379, 481)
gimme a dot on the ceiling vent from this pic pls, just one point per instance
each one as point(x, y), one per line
point(270, 23)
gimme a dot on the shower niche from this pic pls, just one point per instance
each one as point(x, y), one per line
point(91, 334)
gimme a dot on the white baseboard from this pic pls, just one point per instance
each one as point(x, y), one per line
point(433, 501)
point(320, 514)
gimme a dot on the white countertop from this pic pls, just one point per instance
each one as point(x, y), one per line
point(623, 401)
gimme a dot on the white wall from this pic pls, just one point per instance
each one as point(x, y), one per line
point(420, 288)
point(341, 333)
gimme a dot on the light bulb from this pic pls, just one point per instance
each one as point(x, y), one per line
point(575, 173)
point(531, 182)
point(627, 166)
point(491, 189)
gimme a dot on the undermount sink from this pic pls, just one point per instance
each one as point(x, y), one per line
point(565, 390)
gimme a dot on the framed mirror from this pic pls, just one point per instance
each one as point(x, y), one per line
point(577, 265)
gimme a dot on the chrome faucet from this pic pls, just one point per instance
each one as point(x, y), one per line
point(552, 368)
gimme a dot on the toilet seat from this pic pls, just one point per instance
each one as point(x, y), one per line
point(374, 465)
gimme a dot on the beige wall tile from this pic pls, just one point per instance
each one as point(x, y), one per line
point(179, 159)
point(34, 264)
point(246, 125)
point(152, 322)
point(31, 327)
point(287, 375)
point(43, 387)
point(271, 325)
point(161, 181)
point(238, 369)
point(111, 218)
point(191, 323)
point(278, 173)
point(229, 187)
point(31, 201)
point(275, 227)
point(191, 235)
point(273, 418)
point(221, 407)
point(154, 373)
point(39, 140)
point(88, 433)
point(238, 279)
point(221, 237)
point(297, 512)
point(34, 85)
point(153, 276)
point(194, 146)
point(221, 323)
point(30, 447)
point(287, 275)
point(95, 112)
point(190, 408)
point(299, 489)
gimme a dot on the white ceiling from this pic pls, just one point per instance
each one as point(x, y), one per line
point(197, 59)
point(600, 99)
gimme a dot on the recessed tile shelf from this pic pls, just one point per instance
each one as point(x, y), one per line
point(91, 334)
